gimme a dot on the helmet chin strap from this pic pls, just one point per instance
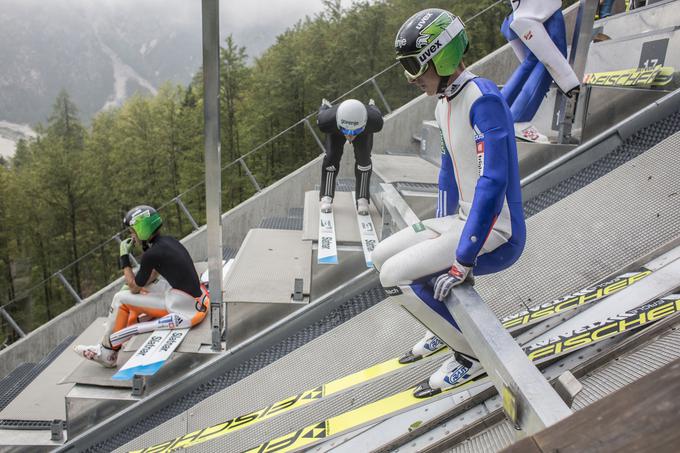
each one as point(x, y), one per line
point(443, 83)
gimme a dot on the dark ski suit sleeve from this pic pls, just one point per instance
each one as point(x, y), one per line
point(374, 121)
point(326, 120)
point(487, 115)
point(146, 266)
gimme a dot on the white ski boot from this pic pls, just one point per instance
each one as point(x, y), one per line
point(528, 133)
point(454, 372)
point(362, 206)
point(429, 344)
point(326, 204)
point(98, 353)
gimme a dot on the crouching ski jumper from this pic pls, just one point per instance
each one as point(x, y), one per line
point(420, 264)
point(536, 33)
point(355, 122)
point(166, 288)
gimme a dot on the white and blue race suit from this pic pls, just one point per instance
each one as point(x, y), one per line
point(480, 177)
point(536, 32)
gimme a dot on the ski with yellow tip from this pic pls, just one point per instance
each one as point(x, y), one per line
point(513, 323)
point(539, 353)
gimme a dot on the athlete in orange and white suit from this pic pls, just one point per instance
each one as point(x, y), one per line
point(166, 288)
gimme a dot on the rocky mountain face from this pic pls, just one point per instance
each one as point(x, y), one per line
point(100, 52)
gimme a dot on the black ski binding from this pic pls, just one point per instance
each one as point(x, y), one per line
point(409, 357)
point(423, 390)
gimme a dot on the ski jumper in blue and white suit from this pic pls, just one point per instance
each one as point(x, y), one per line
point(480, 176)
point(536, 32)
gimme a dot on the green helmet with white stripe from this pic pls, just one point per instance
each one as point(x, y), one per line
point(431, 35)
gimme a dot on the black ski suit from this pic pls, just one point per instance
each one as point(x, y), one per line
point(335, 141)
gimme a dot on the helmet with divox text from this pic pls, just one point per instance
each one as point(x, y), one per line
point(431, 35)
point(144, 220)
point(351, 117)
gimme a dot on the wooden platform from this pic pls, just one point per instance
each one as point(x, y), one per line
point(641, 417)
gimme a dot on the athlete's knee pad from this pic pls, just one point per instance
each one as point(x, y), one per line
point(378, 257)
point(391, 273)
point(116, 302)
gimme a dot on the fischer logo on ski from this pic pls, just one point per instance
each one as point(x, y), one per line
point(614, 325)
point(579, 298)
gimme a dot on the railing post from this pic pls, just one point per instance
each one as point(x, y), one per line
point(184, 209)
point(12, 322)
point(213, 174)
point(583, 31)
point(380, 94)
point(68, 287)
point(250, 175)
point(316, 137)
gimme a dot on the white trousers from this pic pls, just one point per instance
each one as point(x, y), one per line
point(424, 249)
point(419, 251)
point(172, 308)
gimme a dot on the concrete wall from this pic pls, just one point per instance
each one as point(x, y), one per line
point(400, 127)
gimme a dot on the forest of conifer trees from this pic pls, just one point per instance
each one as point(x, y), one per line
point(64, 193)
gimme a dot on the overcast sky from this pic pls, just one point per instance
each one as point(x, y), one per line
point(258, 21)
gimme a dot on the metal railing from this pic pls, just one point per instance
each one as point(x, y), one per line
point(177, 200)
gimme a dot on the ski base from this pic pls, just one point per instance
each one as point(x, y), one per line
point(327, 250)
point(152, 355)
point(369, 237)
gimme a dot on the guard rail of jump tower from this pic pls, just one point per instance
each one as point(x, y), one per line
point(529, 402)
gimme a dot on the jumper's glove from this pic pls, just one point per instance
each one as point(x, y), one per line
point(126, 246)
point(445, 282)
point(124, 259)
point(325, 103)
point(371, 102)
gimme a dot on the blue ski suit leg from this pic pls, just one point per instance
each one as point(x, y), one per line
point(527, 86)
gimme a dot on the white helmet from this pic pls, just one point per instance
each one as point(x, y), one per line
point(351, 117)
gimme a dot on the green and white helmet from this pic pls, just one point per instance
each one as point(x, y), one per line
point(144, 220)
point(432, 35)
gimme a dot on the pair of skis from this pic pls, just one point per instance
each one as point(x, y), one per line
point(405, 399)
point(152, 355)
point(327, 249)
point(539, 353)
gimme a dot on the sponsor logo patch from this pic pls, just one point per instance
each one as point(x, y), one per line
point(393, 291)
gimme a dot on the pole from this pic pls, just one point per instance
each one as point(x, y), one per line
point(213, 175)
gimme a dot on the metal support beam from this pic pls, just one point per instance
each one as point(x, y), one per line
point(250, 174)
point(529, 400)
point(316, 137)
point(186, 212)
point(401, 213)
point(213, 176)
point(380, 94)
point(69, 288)
point(583, 35)
point(12, 322)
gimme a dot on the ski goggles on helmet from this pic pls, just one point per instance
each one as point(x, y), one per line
point(352, 132)
point(416, 64)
